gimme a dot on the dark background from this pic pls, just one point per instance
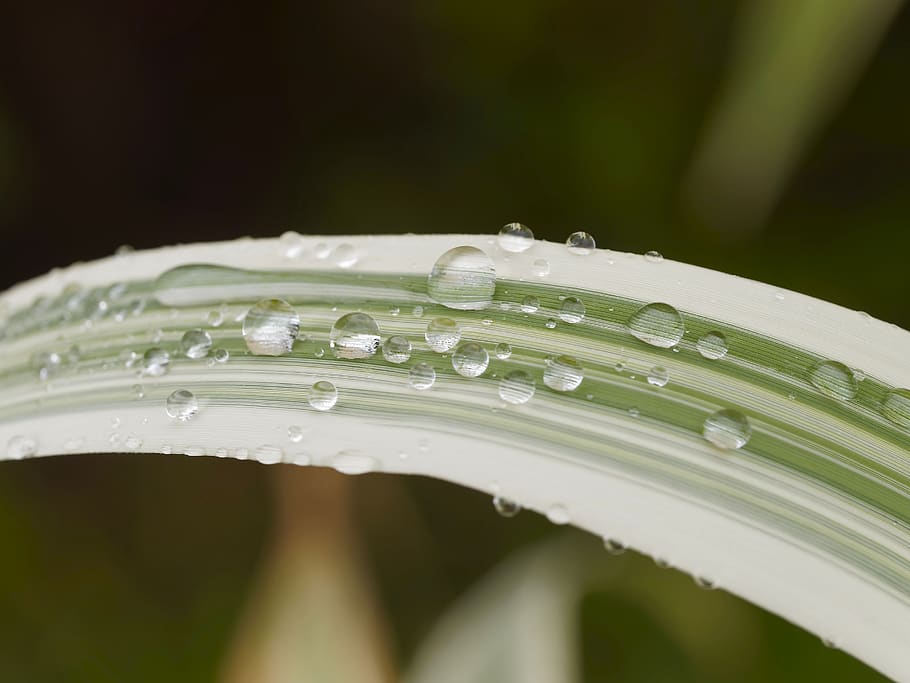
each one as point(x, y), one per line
point(152, 123)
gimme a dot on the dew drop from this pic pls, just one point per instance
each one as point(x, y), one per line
point(834, 379)
point(550, 324)
point(470, 359)
point(530, 304)
point(421, 376)
point(355, 335)
point(270, 328)
point(397, 349)
point(728, 429)
point(654, 256)
point(351, 462)
point(442, 334)
point(658, 376)
point(20, 447)
point(563, 373)
point(214, 318)
point(295, 433)
point(572, 310)
point(503, 351)
point(580, 243)
point(515, 237)
point(196, 343)
point(896, 407)
point(506, 507)
point(463, 278)
point(268, 454)
point(323, 395)
point(291, 244)
point(540, 267)
point(133, 442)
point(558, 514)
point(704, 583)
point(417, 311)
point(181, 405)
point(345, 255)
point(221, 355)
point(516, 387)
point(155, 361)
point(614, 547)
point(657, 324)
point(712, 345)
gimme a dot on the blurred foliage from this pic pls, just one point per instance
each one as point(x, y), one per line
point(149, 123)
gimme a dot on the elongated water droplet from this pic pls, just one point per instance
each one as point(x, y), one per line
point(658, 376)
point(270, 328)
point(572, 310)
point(195, 344)
point(558, 514)
point(323, 395)
point(442, 334)
point(155, 362)
point(515, 237)
point(351, 462)
point(182, 405)
point(563, 373)
point(20, 447)
point(530, 304)
point(657, 324)
point(896, 407)
point(704, 583)
point(516, 387)
point(834, 379)
point(654, 256)
point(506, 507)
point(355, 335)
point(580, 243)
point(727, 428)
point(463, 278)
point(268, 454)
point(470, 359)
point(712, 345)
point(422, 376)
point(397, 349)
point(503, 351)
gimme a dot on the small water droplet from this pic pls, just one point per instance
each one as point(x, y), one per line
point(355, 335)
point(503, 351)
point(530, 304)
point(270, 328)
point(345, 255)
point(558, 514)
point(291, 244)
point(515, 237)
point(196, 343)
point(268, 454)
point(394, 310)
point(506, 507)
point(182, 405)
point(829, 643)
point(834, 379)
point(563, 373)
point(295, 433)
point(657, 324)
point(417, 311)
point(214, 318)
point(550, 324)
point(896, 407)
point(704, 583)
point(396, 349)
point(323, 395)
point(442, 334)
point(463, 278)
point(654, 256)
point(155, 362)
point(322, 251)
point(422, 376)
point(221, 452)
point(351, 462)
point(614, 547)
point(221, 355)
point(319, 353)
point(580, 243)
point(470, 359)
point(572, 310)
point(779, 295)
point(19, 447)
point(634, 412)
point(540, 267)
point(516, 387)
point(712, 345)
point(727, 428)
point(133, 442)
point(658, 376)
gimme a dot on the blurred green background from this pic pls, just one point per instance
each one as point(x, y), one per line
point(765, 138)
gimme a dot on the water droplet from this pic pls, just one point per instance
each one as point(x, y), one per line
point(322, 251)
point(355, 335)
point(422, 376)
point(195, 344)
point(270, 328)
point(503, 351)
point(516, 387)
point(580, 243)
point(657, 324)
point(214, 318)
point(268, 454)
point(658, 376)
point(572, 310)
point(319, 353)
point(396, 349)
point(779, 295)
point(133, 442)
point(834, 379)
point(530, 304)
point(20, 447)
point(896, 407)
point(515, 237)
point(345, 255)
point(540, 267)
point(704, 583)
point(292, 244)
point(558, 514)
point(182, 405)
point(654, 256)
point(727, 428)
point(442, 334)
point(506, 507)
point(633, 411)
point(323, 395)
point(138, 391)
point(221, 452)
point(463, 278)
point(295, 433)
point(417, 311)
point(712, 345)
point(155, 362)
point(351, 462)
point(221, 355)
point(614, 547)
point(470, 359)
point(563, 373)
point(550, 324)
point(829, 643)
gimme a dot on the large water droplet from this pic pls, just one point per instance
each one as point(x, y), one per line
point(563, 373)
point(155, 361)
point(658, 376)
point(422, 376)
point(516, 387)
point(20, 447)
point(506, 507)
point(270, 328)
point(463, 278)
point(351, 462)
point(470, 359)
point(572, 310)
point(834, 379)
point(580, 243)
point(727, 428)
point(323, 395)
point(196, 343)
point(896, 407)
point(182, 405)
point(712, 345)
point(657, 324)
point(396, 349)
point(442, 334)
point(355, 335)
point(515, 237)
